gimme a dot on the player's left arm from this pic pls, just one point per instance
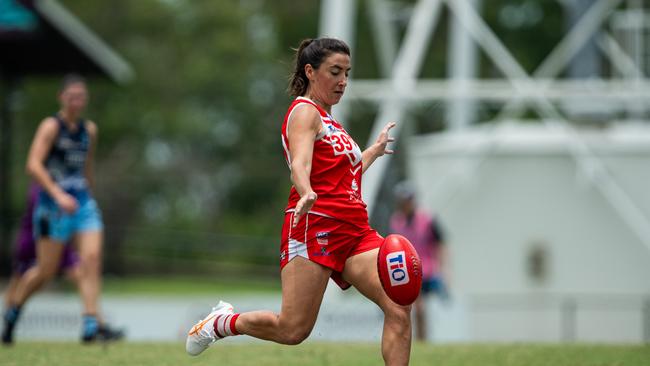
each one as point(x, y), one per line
point(379, 148)
point(89, 169)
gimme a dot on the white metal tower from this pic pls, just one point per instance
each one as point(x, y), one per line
point(619, 29)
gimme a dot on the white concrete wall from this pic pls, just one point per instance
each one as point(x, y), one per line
point(527, 191)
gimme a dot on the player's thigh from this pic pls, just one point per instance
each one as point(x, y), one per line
point(89, 244)
point(48, 255)
point(88, 225)
point(361, 272)
point(303, 286)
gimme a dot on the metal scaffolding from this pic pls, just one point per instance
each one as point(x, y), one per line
point(618, 28)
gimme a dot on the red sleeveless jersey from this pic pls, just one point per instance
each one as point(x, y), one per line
point(335, 172)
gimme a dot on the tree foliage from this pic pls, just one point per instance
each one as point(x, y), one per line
point(192, 145)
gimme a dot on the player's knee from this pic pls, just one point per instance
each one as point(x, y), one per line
point(91, 260)
point(296, 336)
point(44, 274)
point(398, 313)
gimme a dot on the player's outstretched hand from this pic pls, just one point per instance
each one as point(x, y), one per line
point(303, 206)
point(384, 139)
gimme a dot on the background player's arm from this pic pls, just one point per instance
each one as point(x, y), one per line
point(89, 169)
point(439, 236)
point(369, 155)
point(302, 129)
point(41, 145)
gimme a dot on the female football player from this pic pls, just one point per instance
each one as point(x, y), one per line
point(24, 258)
point(61, 162)
point(326, 231)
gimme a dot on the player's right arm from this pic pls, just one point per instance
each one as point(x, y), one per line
point(41, 145)
point(302, 129)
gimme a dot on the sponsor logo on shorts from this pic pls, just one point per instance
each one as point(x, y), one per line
point(322, 237)
point(321, 253)
point(396, 263)
point(283, 255)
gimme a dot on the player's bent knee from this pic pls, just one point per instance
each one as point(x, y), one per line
point(92, 258)
point(295, 337)
point(91, 264)
point(47, 276)
point(46, 272)
point(399, 313)
point(295, 334)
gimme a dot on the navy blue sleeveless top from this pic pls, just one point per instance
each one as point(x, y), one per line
point(67, 159)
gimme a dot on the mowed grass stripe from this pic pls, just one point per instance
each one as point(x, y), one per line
point(312, 353)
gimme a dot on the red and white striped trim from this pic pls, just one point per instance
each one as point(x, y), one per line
point(310, 213)
point(224, 325)
point(324, 120)
point(296, 248)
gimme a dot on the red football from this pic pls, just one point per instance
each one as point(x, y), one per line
point(400, 271)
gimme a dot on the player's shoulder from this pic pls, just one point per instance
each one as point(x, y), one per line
point(304, 107)
point(49, 121)
point(49, 125)
point(304, 112)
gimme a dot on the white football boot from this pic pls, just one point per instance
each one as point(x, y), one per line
point(202, 334)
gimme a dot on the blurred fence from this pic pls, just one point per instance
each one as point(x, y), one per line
point(151, 250)
point(347, 316)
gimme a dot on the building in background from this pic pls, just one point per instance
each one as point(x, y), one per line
point(540, 253)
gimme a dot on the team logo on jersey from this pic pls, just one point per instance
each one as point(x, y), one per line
point(354, 185)
point(322, 237)
point(396, 264)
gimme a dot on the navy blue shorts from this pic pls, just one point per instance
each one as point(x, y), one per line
point(434, 285)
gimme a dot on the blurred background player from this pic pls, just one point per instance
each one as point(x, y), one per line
point(426, 235)
point(61, 162)
point(24, 257)
point(326, 231)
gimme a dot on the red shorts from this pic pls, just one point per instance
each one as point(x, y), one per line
point(326, 241)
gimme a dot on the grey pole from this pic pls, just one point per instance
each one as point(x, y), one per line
point(6, 131)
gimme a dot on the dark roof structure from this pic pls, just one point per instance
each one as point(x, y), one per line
point(41, 37)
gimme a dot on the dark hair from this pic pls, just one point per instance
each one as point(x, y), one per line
point(313, 52)
point(70, 79)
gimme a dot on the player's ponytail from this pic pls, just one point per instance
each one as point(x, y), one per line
point(312, 52)
point(298, 81)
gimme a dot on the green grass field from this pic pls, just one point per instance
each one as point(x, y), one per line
point(257, 354)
